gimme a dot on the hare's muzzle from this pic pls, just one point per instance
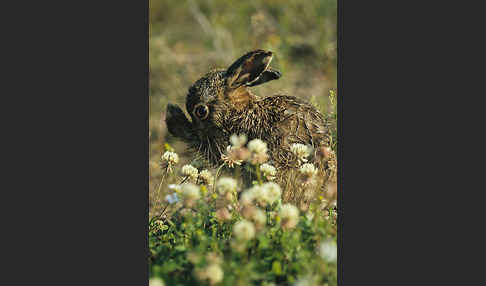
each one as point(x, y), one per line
point(178, 124)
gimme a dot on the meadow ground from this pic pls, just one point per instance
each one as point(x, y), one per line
point(187, 38)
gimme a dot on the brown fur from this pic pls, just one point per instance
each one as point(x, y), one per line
point(278, 120)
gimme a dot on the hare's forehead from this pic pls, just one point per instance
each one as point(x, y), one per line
point(207, 87)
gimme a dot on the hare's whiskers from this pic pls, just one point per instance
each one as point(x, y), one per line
point(211, 153)
point(219, 150)
point(200, 147)
point(207, 149)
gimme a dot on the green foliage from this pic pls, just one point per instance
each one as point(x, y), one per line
point(184, 243)
point(216, 232)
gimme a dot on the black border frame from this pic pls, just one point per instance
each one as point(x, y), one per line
point(86, 68)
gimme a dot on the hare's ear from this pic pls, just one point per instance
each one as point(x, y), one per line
point(248, 68)
point(267, 75)
point(178, 124)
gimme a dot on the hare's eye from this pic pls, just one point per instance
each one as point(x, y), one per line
point(201, 111)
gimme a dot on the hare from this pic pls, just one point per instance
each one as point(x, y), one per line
point(220, 104)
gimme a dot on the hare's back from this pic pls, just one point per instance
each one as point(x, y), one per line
point(297, 122)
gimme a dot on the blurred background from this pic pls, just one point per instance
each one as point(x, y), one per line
point(188, 38)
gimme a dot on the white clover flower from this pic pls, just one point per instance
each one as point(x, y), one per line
point(268, 170)
point(238, 141)
point(214, 273)
point(289, 214)
point(206, 177)
point(258, 151)
point(247, 197)
point(289, 211)
point(170, 157)
point(244, 230)
point(226, 184)
point(258, 193)
point(260, 217)
point(257, 146)
point(190, 191)
point(190, 171)
point(272, 192)
point(156, 282)
point(308, 170)
point(230, 158)
point(172, 198)
point(301, 151)
point(328, 251)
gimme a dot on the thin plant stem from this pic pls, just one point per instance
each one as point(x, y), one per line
point(259, 176)
point(162, 181)
point(216, 177)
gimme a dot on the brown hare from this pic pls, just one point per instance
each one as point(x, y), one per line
point(220, 104)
